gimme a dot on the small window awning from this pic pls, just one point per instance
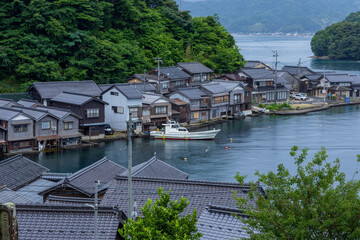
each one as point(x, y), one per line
point(47, 137)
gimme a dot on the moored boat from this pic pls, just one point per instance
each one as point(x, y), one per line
point(174, 131)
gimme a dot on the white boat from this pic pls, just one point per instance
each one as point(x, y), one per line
point(172, 130)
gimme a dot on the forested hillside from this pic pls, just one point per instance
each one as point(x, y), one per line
point(105, 40)
point(340, 40)
point(269, 16)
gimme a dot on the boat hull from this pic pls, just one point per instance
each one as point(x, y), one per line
point(205, 135)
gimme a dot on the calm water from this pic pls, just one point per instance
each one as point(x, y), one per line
point(258, 143)
point(290, 49)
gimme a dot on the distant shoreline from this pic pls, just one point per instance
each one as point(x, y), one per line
point(276, 34)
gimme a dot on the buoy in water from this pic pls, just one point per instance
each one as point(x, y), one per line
point(269, 127)
point(226, 148)
point(230, 139)
point(185, 159)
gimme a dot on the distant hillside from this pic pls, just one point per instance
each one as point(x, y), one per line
point(340, 40)
point(244, 16)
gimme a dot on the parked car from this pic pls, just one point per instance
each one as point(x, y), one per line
point(108, 130)
point(300, 96)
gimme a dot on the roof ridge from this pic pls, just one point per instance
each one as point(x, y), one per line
point(146, 164)
point(20, 155)
point(200, 182)
point(86, 169)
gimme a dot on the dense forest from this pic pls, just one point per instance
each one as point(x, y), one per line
point(340, 40)
point(105, 40)
point(269, 16)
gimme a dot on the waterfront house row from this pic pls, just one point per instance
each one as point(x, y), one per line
point(24, 128)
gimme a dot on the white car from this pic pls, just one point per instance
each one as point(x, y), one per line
point(300, 96)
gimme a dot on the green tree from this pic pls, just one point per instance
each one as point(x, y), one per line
point(315, 203)
point(162, 220)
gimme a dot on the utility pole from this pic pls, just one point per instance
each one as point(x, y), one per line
point(158, 59)
point(97, 184)
point(276, 56)
point(129, 168)
point(324, 91)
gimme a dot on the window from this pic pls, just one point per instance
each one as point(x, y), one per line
point(20, 128)
point(247, 93)
point(24, 144)
point(117, 109)
point(45, 125)
point(114, 93)
point(179, 83)
point(220, 99)
point(195, 103)
point(161, 110)
point(134, 112)
point(68, 125)
point(237, 98)
point(204, 77)
point(146, 112)
point(164, 85)
point(269, 83)
point(197, 77)
point(203, 113)
point(92, 113)
point(195, 115)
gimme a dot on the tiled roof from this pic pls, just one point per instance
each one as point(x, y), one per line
point(6, 114)
point(36, 114)
point(199, 193)
point(229, 85)
point(83, 180)
point(8, 195)
point(339, 88)
point(49, 90)
point(28, 103)
point(56, 222)
point(32, 190)
point(294, 70)
point(144, 87)
point(76, 99)
point(149, 98)
point(313, 77)
point(337, 78)
point(155, 168)
point(173, 73)
point(221, 223)
point(193, 93)
point(194, 67)
point(355, 79)
point(128, 90)
point(6, 102)
point(105, 87)
point(258, 73)
point(232, 76)
point(59, 113)
point(144, 77)
point(215, 88)
point(271, 88)
point(18, 170)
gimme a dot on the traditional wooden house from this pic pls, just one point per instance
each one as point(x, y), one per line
point(256, 64)
point(198, 100)
point(17, 130)
point(44, 91)
point(170, 78)
point(29, 103)
point(156, 110)
point(297, 71)
point(308, 84)
point(219, 96)
point(67, 125)
point(264, 85)
point(197, 71)
point(180, 110)
point(45, 127)
point(89, 108)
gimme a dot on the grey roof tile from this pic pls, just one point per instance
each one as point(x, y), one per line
point(173, 73)
point(155, 168)
point(32, 190)
point(66, 222)
point(28, 103)
point(83, 180)
point(193, 93)
point(337, 78)
point(144, 87)
point(49, 90)
point(194, 67)
point(7, 114)
point(258, 73)
point(215, 88)
point(36, 114)
point(129, 91)
point(76, 99)
point(221, 223)
point(149, 98)
point(199, 193)
point(18, 170)
point(8, 195)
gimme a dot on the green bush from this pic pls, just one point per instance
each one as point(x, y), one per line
point(277, 107)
